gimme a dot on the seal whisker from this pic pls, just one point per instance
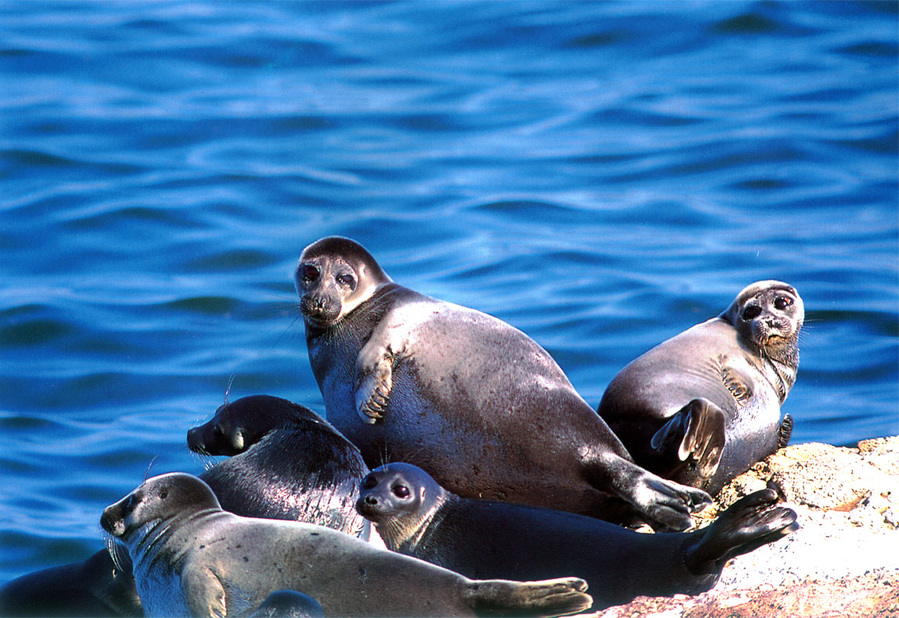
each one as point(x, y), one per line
point(290, 331)
point(150, 465)
point(228, 389)
point(119, 555)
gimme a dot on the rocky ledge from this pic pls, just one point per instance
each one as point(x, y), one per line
point(844, 559)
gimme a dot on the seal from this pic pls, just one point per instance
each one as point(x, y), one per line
point(191, 557)
point(470, 399)
point(488, 539)
point(94, 587)
point(287, 463)
point(705, 405)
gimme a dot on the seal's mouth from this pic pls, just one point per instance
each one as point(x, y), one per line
point(774, 340)
point(195, 441)
point(319, 311)
point(772, 334)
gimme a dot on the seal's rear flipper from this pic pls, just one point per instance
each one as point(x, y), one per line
point(696, 434)
point(551, 597)
point(662, 503)
point(749, 523)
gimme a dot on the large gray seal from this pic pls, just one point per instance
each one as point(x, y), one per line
point(704, 406)
point(468, 398)
point(191, 557)
point(481, 538)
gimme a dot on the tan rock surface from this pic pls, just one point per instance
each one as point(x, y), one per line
point(843, 561)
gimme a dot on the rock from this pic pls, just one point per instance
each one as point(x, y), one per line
point(844, 559)
point(872, 595)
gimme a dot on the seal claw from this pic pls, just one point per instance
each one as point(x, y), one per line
point(372, 398)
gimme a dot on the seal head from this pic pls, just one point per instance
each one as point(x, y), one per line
point(167, 496)
point(401, 500)
point(768, 315)
point(334, 276)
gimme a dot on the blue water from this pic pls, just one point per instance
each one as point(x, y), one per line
point(601, 175)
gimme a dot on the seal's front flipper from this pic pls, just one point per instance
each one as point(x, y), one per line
point(204, 593)
point(696, 433)
point(374, 380)
point(749, 523)
point(785, 431)
point(551, 597)
point(373, 394)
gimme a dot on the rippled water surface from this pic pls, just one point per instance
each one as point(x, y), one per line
point(601, 175)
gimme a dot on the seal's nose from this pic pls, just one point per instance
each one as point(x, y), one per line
point(195, 440)
point(111, 520)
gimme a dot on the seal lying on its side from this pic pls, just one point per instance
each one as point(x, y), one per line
point(191, 557)
point(289, 464)
point(704, 406)
point(480, 538)
point(472, 400)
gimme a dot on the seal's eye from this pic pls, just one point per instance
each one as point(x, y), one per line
point(752, 312)
point(309, 273)
point(369, 482)
point(782, 302)
point(400, 491)
point(347, 280)
point(163, 494)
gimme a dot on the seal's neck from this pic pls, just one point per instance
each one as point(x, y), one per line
point(161, 544)
point(781, 375)
point(406, 540)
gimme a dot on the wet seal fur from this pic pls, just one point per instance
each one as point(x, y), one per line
point(480, 538)
point(470, 399)
point(704, 406)
point(287, 463)
point(191, 557)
